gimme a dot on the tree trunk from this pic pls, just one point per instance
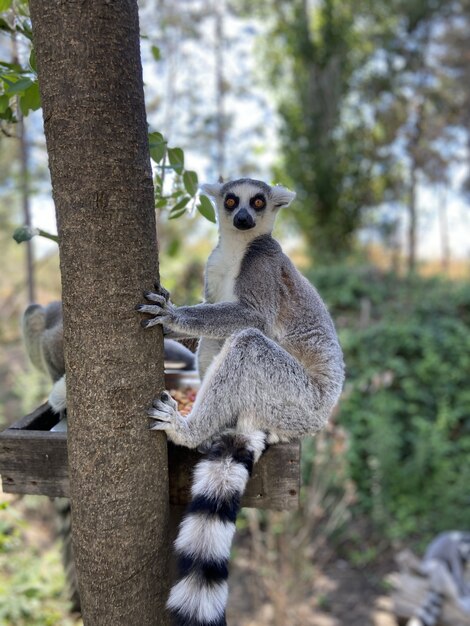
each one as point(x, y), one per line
point(25, 197)
point(444, 230)
point(412, 222)
point(90, 77)
point(25, 187)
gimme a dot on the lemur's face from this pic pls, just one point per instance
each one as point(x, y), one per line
point(248, 205)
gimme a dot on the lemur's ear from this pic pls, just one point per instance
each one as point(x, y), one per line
point(281, 196)
point(211, 190)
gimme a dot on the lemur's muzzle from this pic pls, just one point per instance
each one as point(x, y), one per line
point(243, 220)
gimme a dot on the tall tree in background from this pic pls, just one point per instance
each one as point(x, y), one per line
point(455, 54)
point(313, 52)
point(413, 96)
point(91, 86)
point(364, 108)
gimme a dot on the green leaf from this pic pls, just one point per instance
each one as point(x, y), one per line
point(176, 158)
point(181, 204)
point(206, 209)
point(157, 145)
point(190, 182)
point(8, 115)
point(25, 29)
point(7, 80)
point(30, 100)
point(4, 103)
point(12, 66)
point(5, 5)
point(4, 25)
point(174, 247)
point(161, 203)
point(156, 53)
point(24, 233)
point(19, 86)
point(179, 213)
point(32, 60)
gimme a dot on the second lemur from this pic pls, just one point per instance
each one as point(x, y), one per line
point(43, 335)
point(271, 368)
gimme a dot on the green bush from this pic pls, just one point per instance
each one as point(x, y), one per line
point(31, 579)
point(407, 398)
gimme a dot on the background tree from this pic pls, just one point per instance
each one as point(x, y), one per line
point(365, 107)
point(326, 144)
point(411, 96)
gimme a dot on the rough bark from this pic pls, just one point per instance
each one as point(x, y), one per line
point(90, 78)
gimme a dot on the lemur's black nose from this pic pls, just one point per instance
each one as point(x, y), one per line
point(243, 220)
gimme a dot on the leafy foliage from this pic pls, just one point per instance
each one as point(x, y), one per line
point(184, 183)
point(407, 397)
point(31, 583)
point(18, 82)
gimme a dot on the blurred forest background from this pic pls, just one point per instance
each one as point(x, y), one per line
point(363, 108)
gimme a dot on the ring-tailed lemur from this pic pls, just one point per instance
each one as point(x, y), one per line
point(43, 336)
point(271, 367)
point(444, 563)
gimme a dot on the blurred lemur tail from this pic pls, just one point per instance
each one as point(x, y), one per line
point(430, 611)
point(33, 325)
point(58, 396)
point(205, 536)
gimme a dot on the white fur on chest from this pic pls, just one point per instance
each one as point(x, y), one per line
point(222, 270)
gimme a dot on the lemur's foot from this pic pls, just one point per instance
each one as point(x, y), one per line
point(273, 438)
point(165, 413)
point(161, 307)
point(164, 409)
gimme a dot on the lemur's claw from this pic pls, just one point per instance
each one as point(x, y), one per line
point(153, 309)
point(155, 297)
point(160, 416)
point(159, 426)
point(165, 403)
point(162, 291)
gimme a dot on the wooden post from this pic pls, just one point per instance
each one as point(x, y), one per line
point(90, 79)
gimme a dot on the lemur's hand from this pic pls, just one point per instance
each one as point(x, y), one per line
point(161, 307)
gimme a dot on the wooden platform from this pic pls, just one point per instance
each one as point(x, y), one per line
point(33, 460)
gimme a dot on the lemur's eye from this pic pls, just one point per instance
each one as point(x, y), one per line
point(258, 202)
point(231, 202)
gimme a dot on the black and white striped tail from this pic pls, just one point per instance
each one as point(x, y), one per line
point(205, 536)
point(430, 612)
